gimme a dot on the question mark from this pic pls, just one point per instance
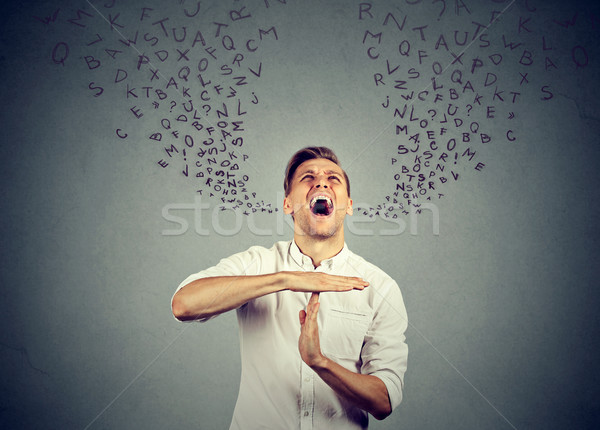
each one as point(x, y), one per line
point(207, 107)
point(173, 104)
point(433, 114)
point(443, 7)
point(469, 107)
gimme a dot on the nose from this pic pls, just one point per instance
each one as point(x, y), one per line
point(321, 182)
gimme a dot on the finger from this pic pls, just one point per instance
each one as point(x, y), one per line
point(346, 286)
point(311, 315)
point(357, 281)
point(315, 310)
point(347, 282)
point(312, 307)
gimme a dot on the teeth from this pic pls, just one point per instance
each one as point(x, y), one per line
point(315, 198)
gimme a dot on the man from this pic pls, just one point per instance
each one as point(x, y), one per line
point(321, 329)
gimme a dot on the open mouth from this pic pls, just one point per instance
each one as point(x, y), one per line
point(321, 206)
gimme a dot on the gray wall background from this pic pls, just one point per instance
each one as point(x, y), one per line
point(502, 302)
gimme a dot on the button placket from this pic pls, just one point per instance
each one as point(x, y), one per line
point(308, 400)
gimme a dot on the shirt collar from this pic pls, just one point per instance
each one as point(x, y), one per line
point(305, 262)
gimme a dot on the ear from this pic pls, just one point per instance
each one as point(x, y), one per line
point(287, 206)
point(349, 209)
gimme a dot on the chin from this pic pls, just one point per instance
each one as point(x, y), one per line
point(322, 232)
point(318, 228)
point(322, 235)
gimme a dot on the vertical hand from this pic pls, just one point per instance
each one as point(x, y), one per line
point(308, 344)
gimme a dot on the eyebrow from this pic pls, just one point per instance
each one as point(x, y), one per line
point(328, 172)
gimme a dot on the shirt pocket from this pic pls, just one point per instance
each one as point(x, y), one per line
point(344, 332)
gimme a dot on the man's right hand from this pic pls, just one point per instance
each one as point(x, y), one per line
point(320, 282)
point(206, 297)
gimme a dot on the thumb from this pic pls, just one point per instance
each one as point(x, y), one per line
point(302, 317)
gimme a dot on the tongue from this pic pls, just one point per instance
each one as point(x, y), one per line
point(320, 208)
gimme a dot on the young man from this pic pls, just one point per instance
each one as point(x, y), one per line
point(321, 329)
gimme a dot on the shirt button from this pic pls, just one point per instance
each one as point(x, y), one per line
point(306, 413)
point(307, 379)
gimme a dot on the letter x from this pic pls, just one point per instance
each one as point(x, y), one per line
point(524, 78)
point(182, 55)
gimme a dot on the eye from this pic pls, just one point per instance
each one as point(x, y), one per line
point(334, 178)
point(307, 177)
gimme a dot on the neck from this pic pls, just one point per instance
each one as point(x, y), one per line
point(319, 249)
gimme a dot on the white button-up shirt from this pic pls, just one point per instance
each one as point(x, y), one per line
point(360, 330)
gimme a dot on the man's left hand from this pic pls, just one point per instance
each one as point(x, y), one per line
point(308, 344)
point(367, 392)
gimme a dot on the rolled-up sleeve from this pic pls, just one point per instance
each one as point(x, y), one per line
point(240, 264)
point(385, 353)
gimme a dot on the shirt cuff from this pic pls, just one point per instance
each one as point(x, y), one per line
point(394, 387)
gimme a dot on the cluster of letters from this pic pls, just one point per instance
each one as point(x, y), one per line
point(452, 91)
point(186, 78)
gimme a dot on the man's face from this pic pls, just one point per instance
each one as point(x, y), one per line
point(318, 199)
